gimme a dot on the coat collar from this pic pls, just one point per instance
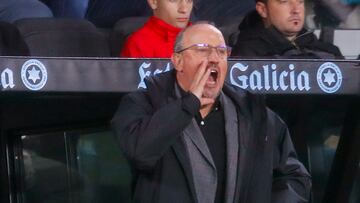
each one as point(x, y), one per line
point(251, 107)
point(162, 91)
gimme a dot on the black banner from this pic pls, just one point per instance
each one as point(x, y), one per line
point(124, 75)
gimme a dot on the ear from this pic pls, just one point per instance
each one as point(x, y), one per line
point(153, 4)
point(176, 59)
point(261, 9)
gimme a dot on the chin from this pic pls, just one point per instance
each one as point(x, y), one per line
point(298, 28)
point(181, 25)
point(211, 93)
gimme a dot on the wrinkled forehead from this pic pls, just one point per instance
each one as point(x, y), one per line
point(203, 34)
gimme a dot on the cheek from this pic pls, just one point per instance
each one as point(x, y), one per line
point(224, 70)
point(278, 14)
point(190, 74)
point(190, 8)
point(191, 64)
point(279, 22)
point(168, 12)
point(302, 13)
point(172, 10)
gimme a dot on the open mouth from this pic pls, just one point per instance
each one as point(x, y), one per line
point(213, 77)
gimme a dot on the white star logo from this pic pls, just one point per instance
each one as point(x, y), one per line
point(329, 77)
point(33, 74)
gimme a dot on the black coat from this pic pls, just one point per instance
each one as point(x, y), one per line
point(148, 125)
point(256, 41)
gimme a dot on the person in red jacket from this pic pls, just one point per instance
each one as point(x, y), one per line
point(156, 38)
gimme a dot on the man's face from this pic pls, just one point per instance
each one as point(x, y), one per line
point(286, 15)
point(173, 12)
point(188, 62)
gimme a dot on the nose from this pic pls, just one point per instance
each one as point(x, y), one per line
point(214, 56)
point(296, 5)
point(184, 6)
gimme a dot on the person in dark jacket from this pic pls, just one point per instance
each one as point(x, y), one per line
point(191, 138)
point(276, 29)
point(11, 41)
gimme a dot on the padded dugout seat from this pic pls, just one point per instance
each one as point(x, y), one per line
point(11, 42)
point(122, 29)
point(105, 13)
point(61, 37)
point(231, 32)
point(347, 40)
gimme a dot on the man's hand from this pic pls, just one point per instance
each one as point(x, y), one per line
point(198, 84)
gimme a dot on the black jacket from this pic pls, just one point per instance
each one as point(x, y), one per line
point(254, 40)
point(148, 125)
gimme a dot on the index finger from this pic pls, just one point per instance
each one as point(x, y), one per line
point(201, 71)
